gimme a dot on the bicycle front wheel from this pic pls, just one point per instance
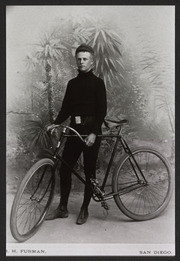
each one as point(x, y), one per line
point(32, 200)
point(144, 188)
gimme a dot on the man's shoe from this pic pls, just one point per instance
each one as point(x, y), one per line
point(60, 212)
point(83, 216)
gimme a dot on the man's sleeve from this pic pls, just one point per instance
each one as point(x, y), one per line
point(101, 102)
point(64, 112)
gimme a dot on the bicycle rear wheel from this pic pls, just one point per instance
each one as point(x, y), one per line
point(143, 198)
point(32, 200)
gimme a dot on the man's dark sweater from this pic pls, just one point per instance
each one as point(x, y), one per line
point(85, 96)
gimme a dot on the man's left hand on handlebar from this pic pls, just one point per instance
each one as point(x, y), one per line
point(51, 127)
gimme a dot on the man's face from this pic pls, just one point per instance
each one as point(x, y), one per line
point(84, 61)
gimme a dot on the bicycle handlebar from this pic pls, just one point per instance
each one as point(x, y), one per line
point(70, 128)
point(119, 124)
point(77, 133)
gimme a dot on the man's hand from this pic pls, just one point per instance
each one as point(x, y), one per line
point(90, 139)
point(50, 127)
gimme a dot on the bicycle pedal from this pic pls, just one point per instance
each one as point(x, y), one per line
point(106, 208)
point(105, 205)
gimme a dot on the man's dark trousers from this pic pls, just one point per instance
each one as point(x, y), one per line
point(73, 148)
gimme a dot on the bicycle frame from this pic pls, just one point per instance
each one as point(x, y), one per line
point(127, 150)
point(137, 198)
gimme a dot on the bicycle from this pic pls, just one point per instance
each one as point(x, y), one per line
point(141, 184)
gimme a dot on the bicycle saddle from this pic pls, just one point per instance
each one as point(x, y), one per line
point(108, 122)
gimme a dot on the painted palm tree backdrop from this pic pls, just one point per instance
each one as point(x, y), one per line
point(133, 57)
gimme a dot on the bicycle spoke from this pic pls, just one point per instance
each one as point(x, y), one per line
point(21, 213)
point(22, 204)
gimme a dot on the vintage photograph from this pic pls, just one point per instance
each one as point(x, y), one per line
point(90, 126)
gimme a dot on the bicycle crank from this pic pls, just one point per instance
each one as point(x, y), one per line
point(97, 193)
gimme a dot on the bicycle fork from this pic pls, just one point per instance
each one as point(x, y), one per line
point(39, 198)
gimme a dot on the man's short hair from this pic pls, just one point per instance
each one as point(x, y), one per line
point(84, 48)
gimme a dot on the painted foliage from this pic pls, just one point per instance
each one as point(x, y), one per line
point(137, 69)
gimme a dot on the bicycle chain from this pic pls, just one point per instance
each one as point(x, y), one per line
point(99, 194)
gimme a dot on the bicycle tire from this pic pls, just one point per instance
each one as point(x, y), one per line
point(147, 201)
point(32, 200)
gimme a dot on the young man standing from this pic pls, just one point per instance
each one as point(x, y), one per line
point(85, 102)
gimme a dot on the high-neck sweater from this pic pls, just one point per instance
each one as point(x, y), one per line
point(85, 96)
